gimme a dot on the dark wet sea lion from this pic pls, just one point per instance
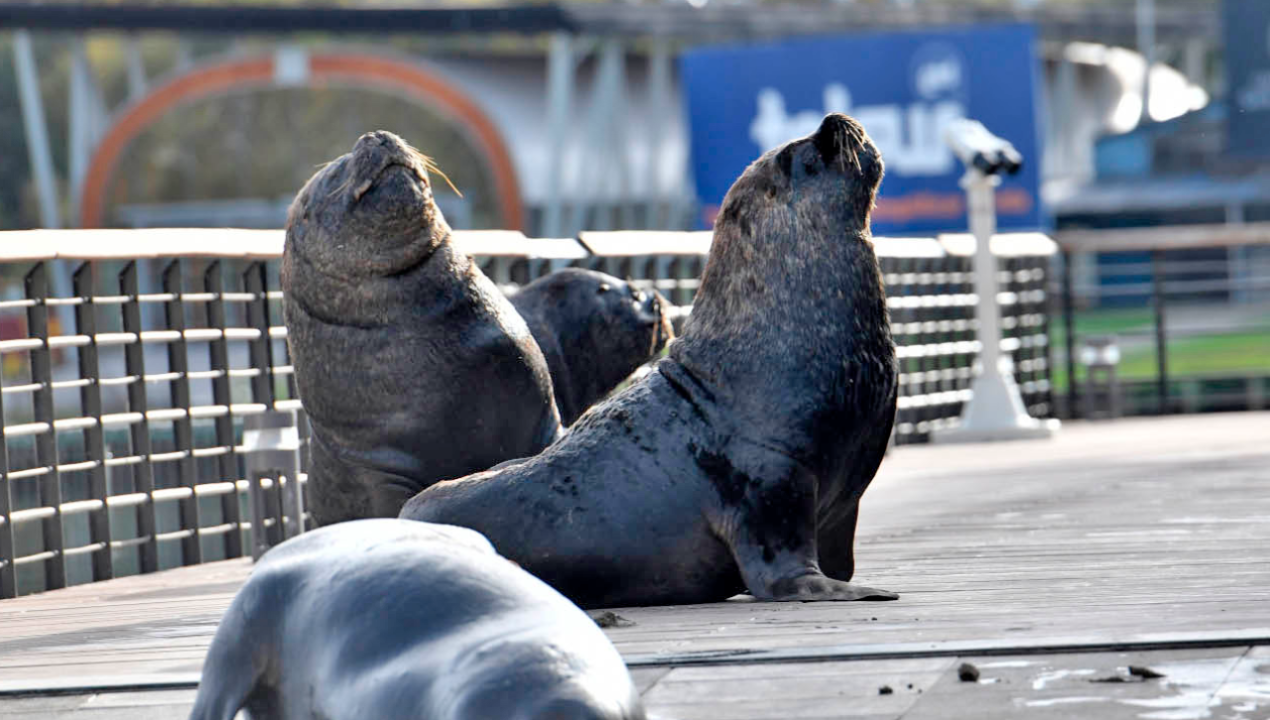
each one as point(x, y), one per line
point(391, 619)
point(412, 366)
point(594, 330)
point(740, 460)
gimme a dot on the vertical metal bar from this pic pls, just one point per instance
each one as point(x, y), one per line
point(256, 501)
point(90, 406)
point(1161, 341)
point(8, 570)
point(560, 76)
point(273, 507)
point(218, 356)
point(1069, 329)
point(183, 427)
point(37, 140)
point(37, 289)
point(143, 471)
point(261, 349)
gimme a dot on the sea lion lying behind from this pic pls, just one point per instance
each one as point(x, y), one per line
point(412, 366)
point(395, 620)
point(594, 330)
point(740, 460)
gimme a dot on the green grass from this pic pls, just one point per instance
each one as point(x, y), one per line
point(1246, 352)
point(1102, 322)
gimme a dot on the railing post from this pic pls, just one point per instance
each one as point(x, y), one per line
point(90, 404)
point(1161, 339)
point(183, 427)
point(1069, 330)
point(261, 349)
point(135, 367)
point(8, 566)
point(46, 441)
point(218, 359)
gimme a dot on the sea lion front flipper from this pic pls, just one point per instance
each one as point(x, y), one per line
point(814, 586)
point(771, 529)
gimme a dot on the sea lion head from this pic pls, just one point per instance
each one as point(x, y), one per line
point(594, 329)
point(369, 211)
point(828, 179)
point(783, 236)
point(632, 317)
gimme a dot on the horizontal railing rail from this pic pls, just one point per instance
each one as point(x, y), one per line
point(132, 357)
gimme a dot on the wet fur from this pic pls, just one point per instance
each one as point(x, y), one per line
point(739, 462)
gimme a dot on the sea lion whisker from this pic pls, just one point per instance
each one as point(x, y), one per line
point(432, 167)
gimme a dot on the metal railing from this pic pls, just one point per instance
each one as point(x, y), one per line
point(133, 357)
point(1156, 268)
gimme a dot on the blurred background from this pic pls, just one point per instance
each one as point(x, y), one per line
point(1143, 122)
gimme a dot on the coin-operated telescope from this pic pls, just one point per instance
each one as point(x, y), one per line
point(995, 410)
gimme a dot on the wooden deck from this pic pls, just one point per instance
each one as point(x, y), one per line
point(1048, 565)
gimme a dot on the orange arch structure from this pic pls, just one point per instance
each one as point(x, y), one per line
point(322, 68)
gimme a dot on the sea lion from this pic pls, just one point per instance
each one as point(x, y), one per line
point(385, 618)
point(740, 460)
point(594, 329)
point(411, 365)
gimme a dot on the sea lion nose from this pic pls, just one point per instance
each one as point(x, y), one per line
point(829, 139)
point(380, 142)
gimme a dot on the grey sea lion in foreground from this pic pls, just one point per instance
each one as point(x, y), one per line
point(594, 330)
point(738, 463)
point(412, 366)
point(396, 620)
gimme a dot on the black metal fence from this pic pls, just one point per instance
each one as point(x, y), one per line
point(132, 358)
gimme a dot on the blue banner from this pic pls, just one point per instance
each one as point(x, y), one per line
point(1247, 24)
point(903, 87)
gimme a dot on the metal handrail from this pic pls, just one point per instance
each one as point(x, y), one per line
point(931, 303)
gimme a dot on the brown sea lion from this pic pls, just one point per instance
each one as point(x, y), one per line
point(412, 366)
point(738, 463)
point(594, 330)
point(396, 620)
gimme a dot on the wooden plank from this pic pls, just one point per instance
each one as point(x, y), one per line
point(1146, 530)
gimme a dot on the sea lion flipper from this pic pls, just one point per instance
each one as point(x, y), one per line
point(814, 587)
point(773, 541)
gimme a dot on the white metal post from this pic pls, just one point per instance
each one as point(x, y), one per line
point(995, 410)
point(1145, 15)
point(37, 139)
point(560, 74)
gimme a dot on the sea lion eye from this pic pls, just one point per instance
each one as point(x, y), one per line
point(604, 287)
